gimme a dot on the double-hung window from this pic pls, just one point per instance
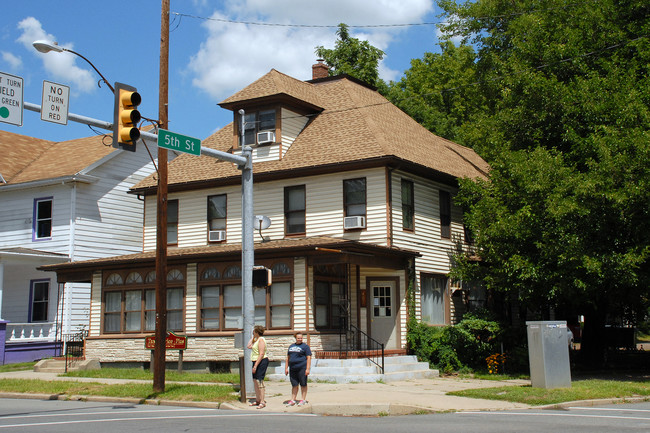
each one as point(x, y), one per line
point(408, 205)
point(294, 210)
point(40, 296)
point(42, 220)
point(354, 197)
point(172, 222)
point(258, 121)
point(445, 214)
point(432, 298)
point(217, 217)
point(221, 298)
point(130, 302)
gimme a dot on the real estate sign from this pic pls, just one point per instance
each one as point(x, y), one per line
point(11, 99)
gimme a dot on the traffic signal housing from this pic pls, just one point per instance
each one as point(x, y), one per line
point(126, 117)
point(262, 277)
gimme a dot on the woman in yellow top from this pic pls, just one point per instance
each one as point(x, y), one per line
point(260, 360)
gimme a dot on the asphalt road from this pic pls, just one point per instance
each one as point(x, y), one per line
point(73, 416)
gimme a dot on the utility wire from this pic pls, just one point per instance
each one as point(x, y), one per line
point(362, 26)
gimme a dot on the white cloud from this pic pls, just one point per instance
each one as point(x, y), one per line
point(61, 65)
point(15, 62)
point(234, 55)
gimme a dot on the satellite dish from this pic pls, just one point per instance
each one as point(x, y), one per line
point(262, 222)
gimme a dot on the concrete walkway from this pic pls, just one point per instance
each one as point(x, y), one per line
point(394, 398)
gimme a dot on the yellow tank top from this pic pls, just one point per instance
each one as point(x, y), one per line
point(256, 350)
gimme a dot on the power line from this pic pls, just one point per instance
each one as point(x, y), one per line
point(180, 15)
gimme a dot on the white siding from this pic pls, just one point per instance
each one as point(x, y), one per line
point(299, 307)
point(436, 251)
point(292, 125)
point(324, 209)
point(95, 305)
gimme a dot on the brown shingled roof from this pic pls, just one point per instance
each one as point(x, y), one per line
point(357, 124)
point(26, 159)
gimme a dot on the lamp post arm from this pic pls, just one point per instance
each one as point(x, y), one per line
point(91, 64)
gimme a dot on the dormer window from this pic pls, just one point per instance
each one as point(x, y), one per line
point(257, 122)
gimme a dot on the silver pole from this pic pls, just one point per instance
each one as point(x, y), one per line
point(248, 257)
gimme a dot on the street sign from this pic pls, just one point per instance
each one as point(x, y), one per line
point(11, 99)
point(54, 106)
point(181, 143)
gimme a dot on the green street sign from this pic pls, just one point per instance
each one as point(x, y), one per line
point(181, 143)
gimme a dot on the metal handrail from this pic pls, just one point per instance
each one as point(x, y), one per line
point(372, 350)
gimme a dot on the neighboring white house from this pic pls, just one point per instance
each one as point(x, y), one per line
point(60, 202)
point(360, 198)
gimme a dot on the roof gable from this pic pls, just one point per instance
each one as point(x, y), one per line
point(31, 159)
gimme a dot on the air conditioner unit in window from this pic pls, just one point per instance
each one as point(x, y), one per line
point(354, 222)
point(265, 137)
point(217, 235)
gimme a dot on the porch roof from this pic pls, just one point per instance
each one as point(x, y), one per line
point(318, 250)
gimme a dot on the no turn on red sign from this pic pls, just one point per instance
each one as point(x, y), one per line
point(54, 106)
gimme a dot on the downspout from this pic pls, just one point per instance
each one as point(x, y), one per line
point(307, 301)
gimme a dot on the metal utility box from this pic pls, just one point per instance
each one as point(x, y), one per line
point(548, 354)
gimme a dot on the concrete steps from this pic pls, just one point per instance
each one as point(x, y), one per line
point(58, 365)
point(361, 370)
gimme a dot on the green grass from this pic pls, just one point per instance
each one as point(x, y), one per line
point(580, 390)
point(140, 374)
point(173, 391)
point(17, 367)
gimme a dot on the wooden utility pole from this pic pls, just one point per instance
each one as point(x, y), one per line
point(161, 232)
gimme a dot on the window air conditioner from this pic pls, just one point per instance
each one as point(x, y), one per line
point(217, 235)
point(354, 222)
point(265, 137)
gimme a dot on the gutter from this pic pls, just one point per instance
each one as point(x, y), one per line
point(81, 178)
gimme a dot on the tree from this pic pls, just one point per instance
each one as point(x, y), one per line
point(439, 90)
point(563, 221)
point(352, 56)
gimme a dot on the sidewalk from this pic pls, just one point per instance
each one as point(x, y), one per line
point(393, 398)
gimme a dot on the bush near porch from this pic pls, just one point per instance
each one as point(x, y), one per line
point(466, 345)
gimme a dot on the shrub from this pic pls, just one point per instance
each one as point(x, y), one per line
point(450, 348)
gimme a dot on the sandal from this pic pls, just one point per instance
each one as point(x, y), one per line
point(261, 405)
point(256, 403)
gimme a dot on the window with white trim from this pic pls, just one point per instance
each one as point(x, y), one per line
point(42, 220)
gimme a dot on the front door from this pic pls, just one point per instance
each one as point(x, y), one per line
point(383, 312)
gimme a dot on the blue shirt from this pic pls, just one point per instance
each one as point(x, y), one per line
point(298, 354)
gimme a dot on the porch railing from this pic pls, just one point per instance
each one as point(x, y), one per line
point(355, 340)
point(23, 332)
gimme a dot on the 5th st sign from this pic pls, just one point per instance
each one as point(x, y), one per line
point(181, 143)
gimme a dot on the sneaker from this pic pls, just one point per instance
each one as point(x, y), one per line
point(291, 403)
point(302, 403)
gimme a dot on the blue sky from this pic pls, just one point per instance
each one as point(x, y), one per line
point(210, 57)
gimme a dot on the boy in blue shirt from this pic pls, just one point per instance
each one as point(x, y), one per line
point(297, 366)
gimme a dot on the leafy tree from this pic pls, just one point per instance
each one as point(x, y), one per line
point(439, 90)
point(563, 221)
point(352, 56)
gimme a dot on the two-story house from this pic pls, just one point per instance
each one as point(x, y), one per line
point(360, 199)
point(59, 202)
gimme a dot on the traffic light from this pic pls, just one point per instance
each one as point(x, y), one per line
point(126, 117)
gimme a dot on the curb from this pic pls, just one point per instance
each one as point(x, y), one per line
point(589, 403)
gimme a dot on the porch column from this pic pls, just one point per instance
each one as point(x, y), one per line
point(3, 336)
point(2, 283)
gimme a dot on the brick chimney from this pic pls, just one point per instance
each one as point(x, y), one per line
point(319, 70)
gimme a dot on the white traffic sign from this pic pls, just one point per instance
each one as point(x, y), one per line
point(54, 106)
point(11, 99)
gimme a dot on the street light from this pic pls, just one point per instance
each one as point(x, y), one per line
point(46, 47)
